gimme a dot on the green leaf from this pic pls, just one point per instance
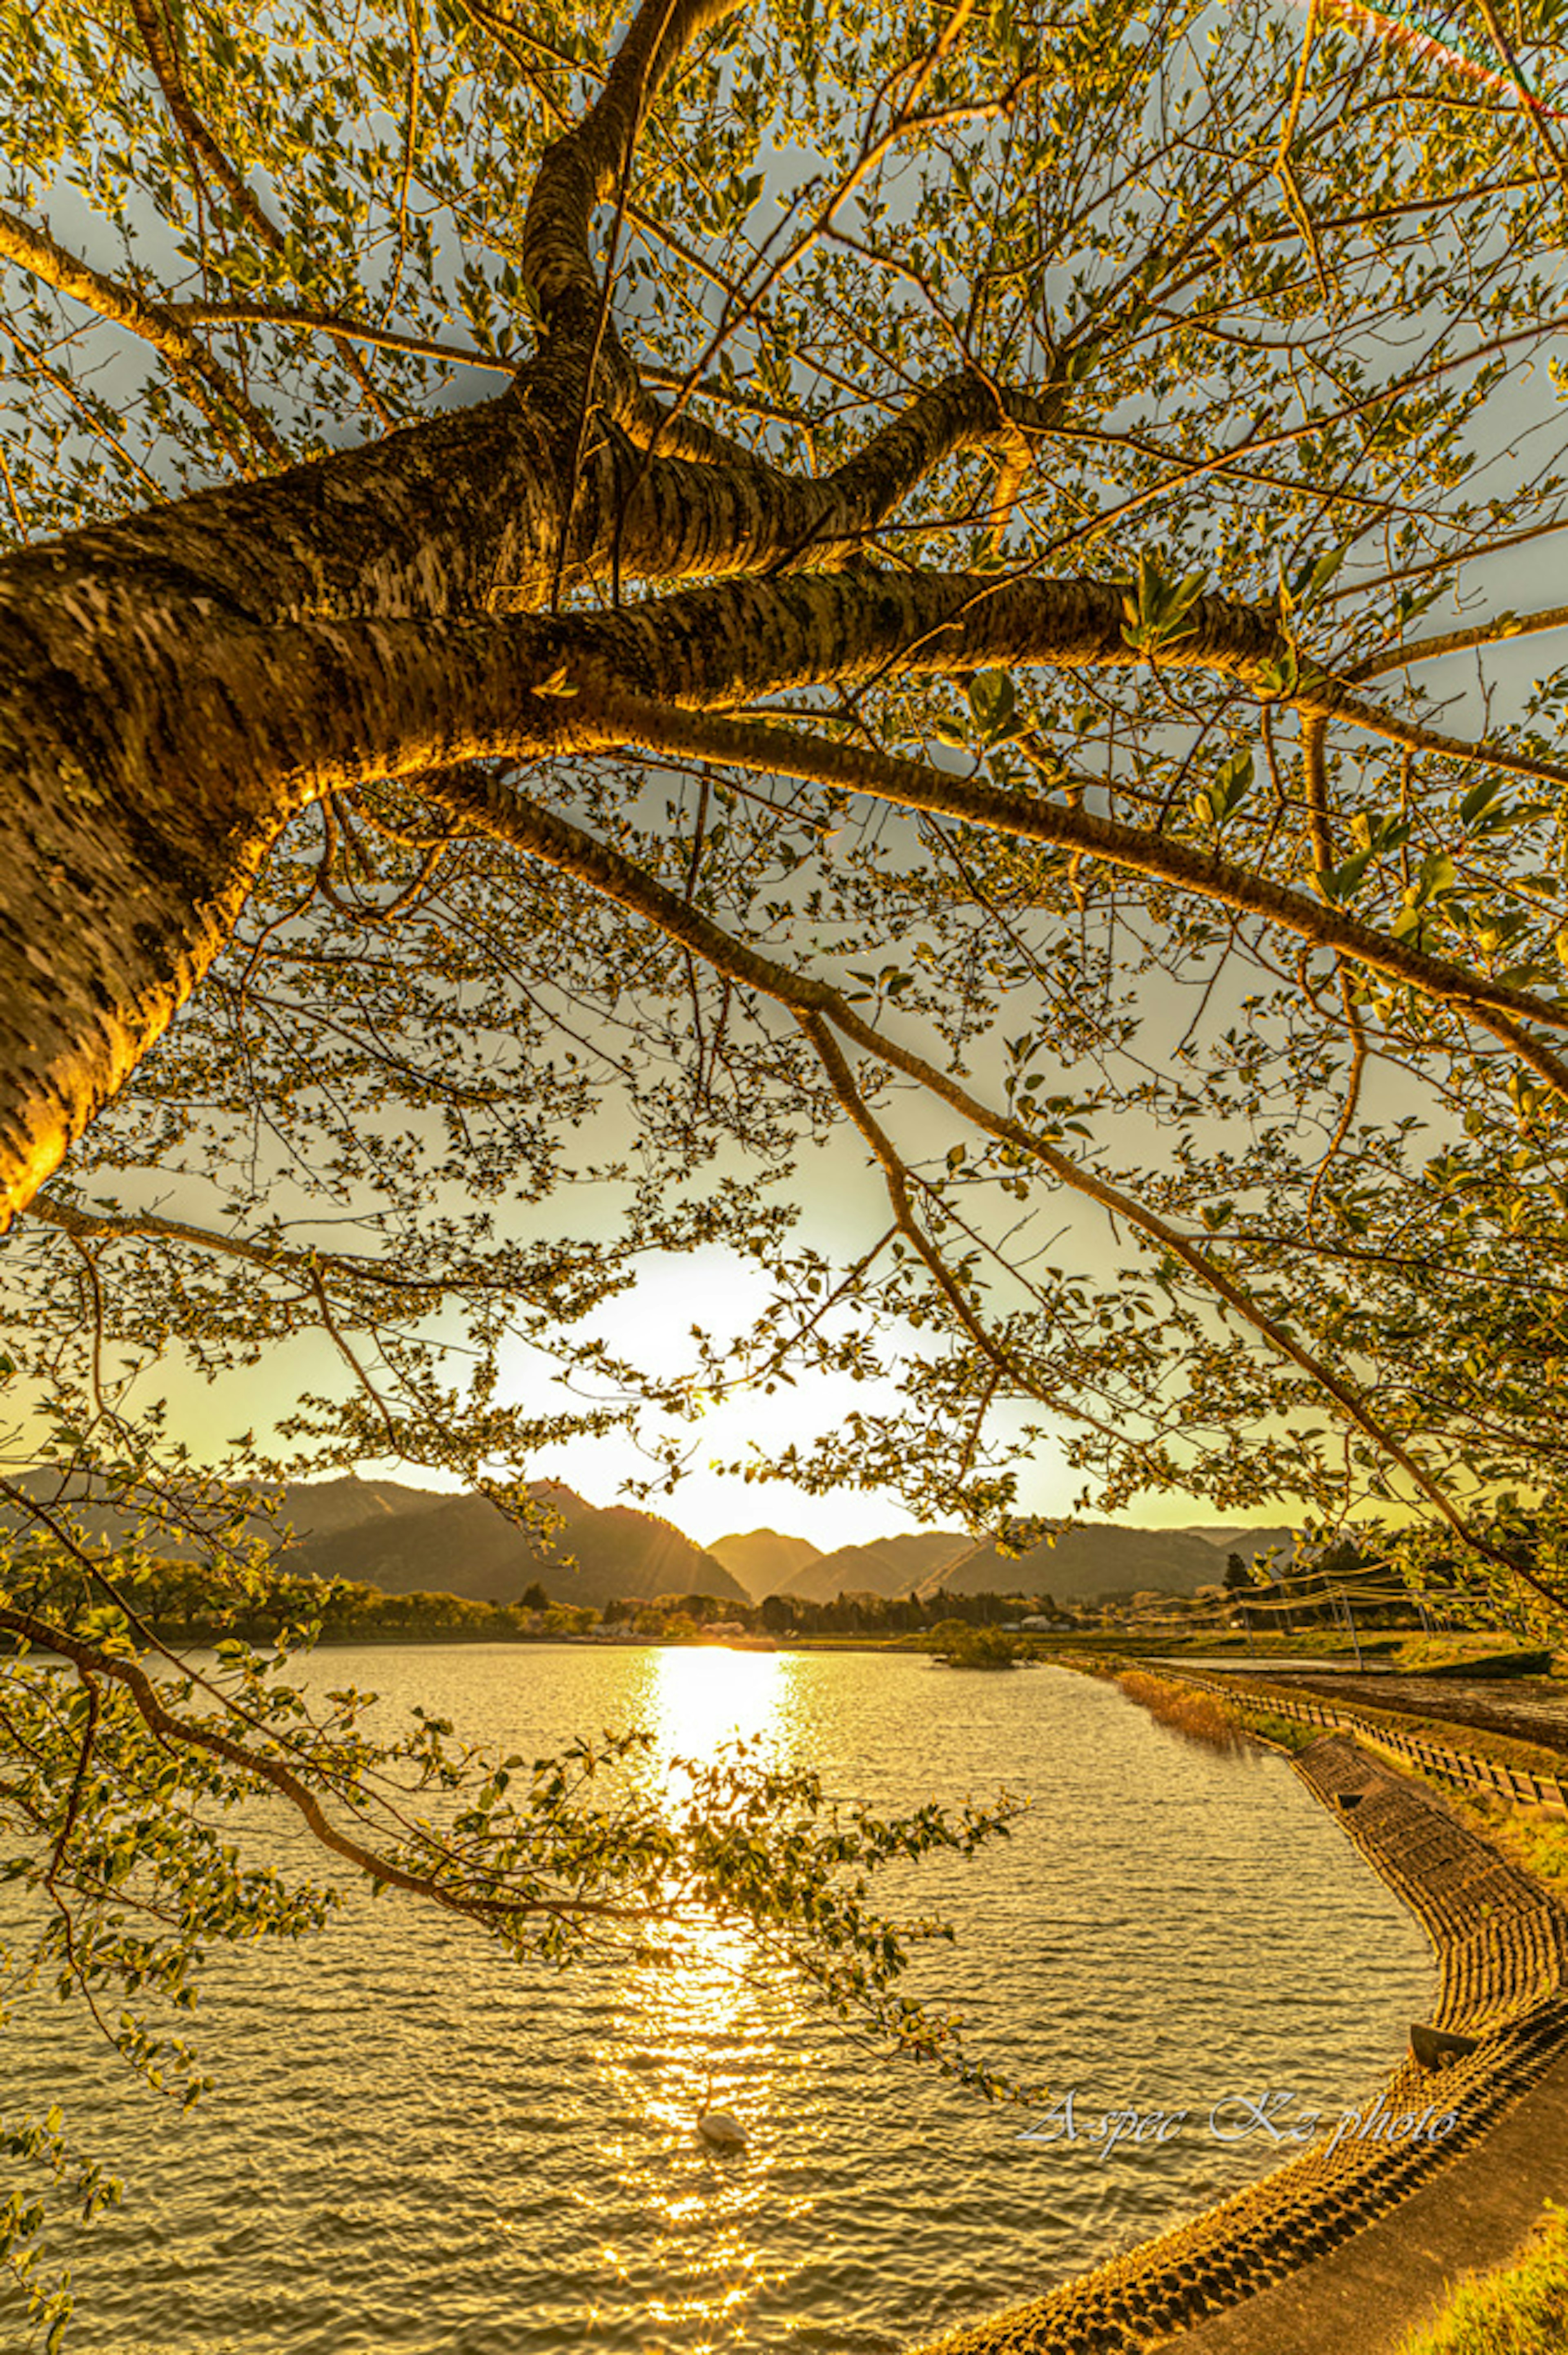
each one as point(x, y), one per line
point(1280, 676)
point(1479, 797)
point(1323, 572)
point(1438, 877)
point(1340, 883)
point(1231, 785)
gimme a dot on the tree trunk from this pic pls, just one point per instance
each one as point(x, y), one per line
point(161, 722)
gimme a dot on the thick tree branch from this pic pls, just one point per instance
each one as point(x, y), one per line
point(204, 380)
point(193, 126)
point(302, 316)
point(1495, 1005)
point(1327, 698)
point(581, 362)
point(1452, 642)
point(203, 750)
point(964, 411)
point(552, 838)
point(50, 1210)
point(741, 640)
point(582, 167)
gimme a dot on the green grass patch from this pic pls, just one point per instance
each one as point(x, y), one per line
point(1312, 1644)
point(1417, 1654)
point(1285, 1733)
point(1522, 2311)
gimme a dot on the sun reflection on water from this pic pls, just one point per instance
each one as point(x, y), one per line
point(711, 2032)
point(699, 1696)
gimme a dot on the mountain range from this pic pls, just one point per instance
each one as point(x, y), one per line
point(887, 1566)
point(1099, 1558)
point(405, 1539)
point(463, 1545)
point(763, 1560)
point(409, 1541)
point(1089, 1558)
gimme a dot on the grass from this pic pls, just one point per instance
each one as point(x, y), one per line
point(1205, 1718)
point(1197, 1716)
point(1285, 1733)
point(1536, 1837)
point(1384, 1648)
point(1418, 1652)
point(1312, 1642)
point(1522, 2311)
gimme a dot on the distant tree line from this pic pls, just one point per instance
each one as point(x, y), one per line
point(848, 1615)
point(184, 1602)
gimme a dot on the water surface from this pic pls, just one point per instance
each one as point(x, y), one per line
point(415, 2148)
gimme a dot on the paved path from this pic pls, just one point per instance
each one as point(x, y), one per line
point(1397, 2273)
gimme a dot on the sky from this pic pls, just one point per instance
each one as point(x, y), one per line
point(844, 1207)
point(705, 1288)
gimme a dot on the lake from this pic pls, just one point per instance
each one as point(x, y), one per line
point(415, 2147)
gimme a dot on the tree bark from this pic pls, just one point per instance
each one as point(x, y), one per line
point(155, 714)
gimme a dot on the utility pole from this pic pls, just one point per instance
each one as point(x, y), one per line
point(1350, 1623)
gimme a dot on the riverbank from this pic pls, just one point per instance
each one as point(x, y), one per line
point(1400, 2273)
point(1501, 1945)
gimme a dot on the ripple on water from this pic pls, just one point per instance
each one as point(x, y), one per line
point(414, 2146)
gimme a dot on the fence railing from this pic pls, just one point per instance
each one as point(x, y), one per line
point(1469, 1767)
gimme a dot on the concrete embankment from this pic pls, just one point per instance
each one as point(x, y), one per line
point(1328, 2227)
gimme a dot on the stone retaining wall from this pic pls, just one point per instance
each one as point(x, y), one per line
point(1502, 1949)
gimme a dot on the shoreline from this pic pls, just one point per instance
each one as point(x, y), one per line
point(1501, 1947)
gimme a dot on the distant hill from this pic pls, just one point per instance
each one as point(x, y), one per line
point(887, 1566)
point(1093, 1558)
point(1247, 1542)
point(763, 1559)
point(312, 1507)
point(622, 1552)
point(318, 1508)
point(405, 1539)
point(410, 1541)
point(463, 1545)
